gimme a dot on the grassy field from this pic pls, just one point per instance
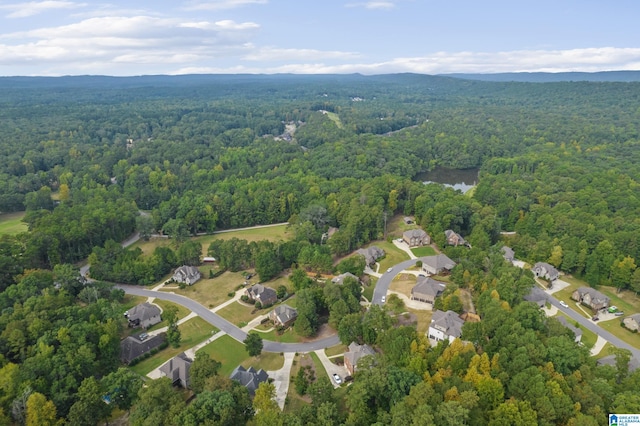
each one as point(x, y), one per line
point(164, 304)
point(424, 319)
point(335, 118)
point(336, 350)
point(393, 254)
point(288, 336)
point(229, 352)
point(11, 223)
point(193, 332)
point(403, 283)
point(368, 290)
point(396, 226)
point(240, 314)
point(268, 361)
point(212, 292)
point(613, 326)
point(424, 251)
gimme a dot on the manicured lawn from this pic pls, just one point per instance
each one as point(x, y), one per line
point(403, 283)
point(320, 371)
point(336, 350)
point(193, 332)
point(11, 223)
point(272, 233)
point(268, 361)
point(606, 351)
point(229, 352)
point(588, 337)
point(393, 254)
point(240, 314)
point(423, 251)
point(396, 226)
point(164, 304)
point(368, 290)
point(288, 336)
point(212, 292)
point(613, 326)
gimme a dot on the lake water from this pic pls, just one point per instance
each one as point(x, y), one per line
point(462, 180)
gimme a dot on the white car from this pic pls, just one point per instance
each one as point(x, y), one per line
point(563, 304)
point(337, 379)
point(384, 299)
point(390, 269)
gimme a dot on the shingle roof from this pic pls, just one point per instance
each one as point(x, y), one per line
point(576, 330)
point(177, 368)
point(439, 262)
point(285, 313)
point(340, 278)
point(508, 253)
point(143, 312)
point(249, 378)
point(449, 322)
point(428, 286)
point(356, 352)
point(132, 347)
point(371, 254)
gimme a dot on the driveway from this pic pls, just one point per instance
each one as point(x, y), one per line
point(402, 245)
point(281, 379)
point(331, 368)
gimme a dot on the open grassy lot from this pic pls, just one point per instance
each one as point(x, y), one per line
point(193, 332)
point(335, 118)
point(424, 319)
point(240, 314)
point(393, 254)
point(212, 292)
point(164, 304)
point(403, 283)
point(336, 350)
point(289, 336)
point(11, 223)
point(268, 361)
point(613, 326)
point(229, 352)
point(424, 251)
point(588, 337)
point(396, 226)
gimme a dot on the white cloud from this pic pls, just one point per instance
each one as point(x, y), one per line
point(373, 5)
point(27, 9)
point(221, 4)
point(280, 54)
point(228, 24)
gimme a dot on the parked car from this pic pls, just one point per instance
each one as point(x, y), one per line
point(619, 314)
point(594, 319)
point(143, 336)
point(384, 299)
point(563, 304)
point(612, 309)
point(390, 269)
point(337, 379)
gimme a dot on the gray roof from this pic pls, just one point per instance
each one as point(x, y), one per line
point(611, 360)
point(450, 232)
point(508, 253)
point(249, 378)
point(577, 331)
point(177, 369)
point(596, 296)
point(635, 317)
point(143, 312)
point(340, 278)
point(285, 313)
point(414, 233)
point(537, 296)
point(544, 269)
point(429, 286)
point(132, 347)
point(260, 292)
point(449, 322)
point(439, 262)
point(356, 352)
point(371, 254)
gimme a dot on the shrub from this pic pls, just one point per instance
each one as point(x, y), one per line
point(231, 293)
point(244, 298)
point(258, 305)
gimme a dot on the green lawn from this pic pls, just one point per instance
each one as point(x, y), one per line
point(335, 118)
point(288, 336)
point(336, 350)
point(193, 332)
point(588, 337)
point(212, 292)
point(613, 326)
point(268, 361)
point(164, 304)
point(239, 314)
point(423, 251)
point(11, 223)
point(368, 290)
point(393, 254)
point(229, 352)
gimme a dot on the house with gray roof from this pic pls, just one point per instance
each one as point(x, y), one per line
point(437, 264)
point(177, 369)
point(577, 332)
point(133, 347)
point(445, 326)
point(453, 238)
point(632, 322)
point(371, 254)
point(416, 237)
point(354, 354)
point(186, 274)
point(283, 315)
point(249, 378)
point(546, 271)
point(611, 360)
point(340, 278)
point(508, 253)
point(537, 296)
point(427, 289)
point(143, 315)
point(591, 297)
point(259, 293)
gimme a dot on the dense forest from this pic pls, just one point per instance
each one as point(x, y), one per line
point(559, 165)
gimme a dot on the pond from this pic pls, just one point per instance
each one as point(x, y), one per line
point(462, 180)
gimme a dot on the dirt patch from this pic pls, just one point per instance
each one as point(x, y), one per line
point(407, 318)
point(323, 331)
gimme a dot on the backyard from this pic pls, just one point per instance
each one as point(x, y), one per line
point(11, 223)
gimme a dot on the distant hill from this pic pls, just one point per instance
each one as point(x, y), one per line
point(547, 77)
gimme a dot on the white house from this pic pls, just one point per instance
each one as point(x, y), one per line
point(445, 326)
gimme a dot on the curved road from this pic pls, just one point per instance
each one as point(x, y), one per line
point(385, 280)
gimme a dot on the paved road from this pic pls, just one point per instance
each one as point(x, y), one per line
point(224, 325)
point(385, 280)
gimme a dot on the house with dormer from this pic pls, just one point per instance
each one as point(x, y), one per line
point(445, 326)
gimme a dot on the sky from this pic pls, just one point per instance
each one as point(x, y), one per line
point(123, 38)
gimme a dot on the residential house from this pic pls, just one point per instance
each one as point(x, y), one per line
point(445, 326)
point(427, 289)
point(143, 315)
point(340, 278)
point(355, 353)
point(537, 296)
point(577, 332)
point(591, 297)
point(454, 239)
point(416, 237)
point(611, 360)
point(249, 378)
point(508, 254)
point(134, 347)
point(265, 295)
point(437, 264)
point(632, 322)
point(283, 315)
point(186, 274)
point(371, 254)
point(407, 220)
point(177, 369)
point(546, 271)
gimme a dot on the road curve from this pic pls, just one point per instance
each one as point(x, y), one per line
point(224, 325)
point(385, 280)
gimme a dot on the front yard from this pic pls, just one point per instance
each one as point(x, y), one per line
point(210, 292)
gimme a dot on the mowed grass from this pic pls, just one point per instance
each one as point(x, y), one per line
point(396, 226)
point(423, 251)
point(211, 292)
point(12, 224)
point(289, 336)
point(336, 350)
point(403, 283)
point(424, 319)
point(613, 326)
point(393, 254)
point(164, 304)
point(192, 332)
point(588, 337)
point(240, 314)
point(335, 118)
point(227, 351)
